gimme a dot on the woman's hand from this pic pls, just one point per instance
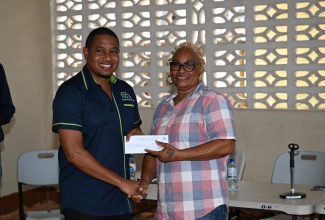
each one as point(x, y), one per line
point(143, 186)
point(167, 154)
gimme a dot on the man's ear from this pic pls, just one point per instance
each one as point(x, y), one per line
point(85, 52)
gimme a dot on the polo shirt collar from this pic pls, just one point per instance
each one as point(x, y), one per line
point(89, 80)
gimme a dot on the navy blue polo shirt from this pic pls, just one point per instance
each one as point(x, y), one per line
point(81, 104)
point(6, 106)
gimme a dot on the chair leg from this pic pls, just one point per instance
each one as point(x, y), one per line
point(234, 214)
point(21, 203)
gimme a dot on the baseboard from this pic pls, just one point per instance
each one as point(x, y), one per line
point(37, 196)
point(49, 197)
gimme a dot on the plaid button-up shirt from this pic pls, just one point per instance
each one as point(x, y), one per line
point(191, 189)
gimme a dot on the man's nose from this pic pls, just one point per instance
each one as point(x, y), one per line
point(107, 56)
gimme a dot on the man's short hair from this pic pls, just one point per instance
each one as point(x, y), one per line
point(99, 31)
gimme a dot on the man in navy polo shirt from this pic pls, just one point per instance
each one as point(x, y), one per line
point(92, 112)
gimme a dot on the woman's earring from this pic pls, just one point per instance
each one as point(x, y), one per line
point(200, 78)
point(169, 80)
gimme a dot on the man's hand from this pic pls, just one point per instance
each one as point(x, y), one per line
point(143, 186)
point(135, 131)
point(130, 187)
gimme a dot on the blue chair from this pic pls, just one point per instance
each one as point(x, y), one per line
point(38, 168)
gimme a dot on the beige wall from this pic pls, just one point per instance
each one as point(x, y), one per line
point(25, 45)
point(25, 52)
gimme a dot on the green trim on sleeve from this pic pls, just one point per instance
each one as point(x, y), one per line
point(63, 123)
point(137, 121)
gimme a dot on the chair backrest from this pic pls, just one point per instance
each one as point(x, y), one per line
point(38, 168)
point(309, 168)
point(240, 161)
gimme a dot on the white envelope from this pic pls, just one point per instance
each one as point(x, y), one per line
point(138, 143)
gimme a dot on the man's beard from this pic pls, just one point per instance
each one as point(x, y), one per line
point(104, 76)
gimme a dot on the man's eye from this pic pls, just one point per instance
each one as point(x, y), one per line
point(114, 51)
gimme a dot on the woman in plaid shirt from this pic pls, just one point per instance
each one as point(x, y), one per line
point(191, 169)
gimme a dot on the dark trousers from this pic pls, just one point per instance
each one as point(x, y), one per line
point(71, 214)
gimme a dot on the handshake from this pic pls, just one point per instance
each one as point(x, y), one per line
point(134, 189)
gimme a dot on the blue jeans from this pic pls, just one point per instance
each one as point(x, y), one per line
point(219, 213)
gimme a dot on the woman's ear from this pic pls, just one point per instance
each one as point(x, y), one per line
point(201, 69)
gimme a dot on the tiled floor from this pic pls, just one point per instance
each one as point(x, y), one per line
point(148, 215)
point(12, 216)
point(144, 210)
point(145, 216)
point(142, 216)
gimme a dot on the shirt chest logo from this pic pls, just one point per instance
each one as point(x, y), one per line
point(126, 97)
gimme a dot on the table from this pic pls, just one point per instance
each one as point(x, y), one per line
point(320, 209)
point(265, 196)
